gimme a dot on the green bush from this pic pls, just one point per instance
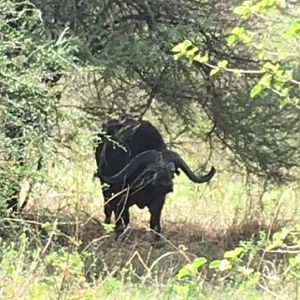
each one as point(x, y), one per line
point(30, 68)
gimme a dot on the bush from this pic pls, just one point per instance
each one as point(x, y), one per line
point(30, 68)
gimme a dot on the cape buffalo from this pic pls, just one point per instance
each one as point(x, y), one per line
point(136, 167)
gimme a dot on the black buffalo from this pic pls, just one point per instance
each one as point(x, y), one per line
point(135, 167)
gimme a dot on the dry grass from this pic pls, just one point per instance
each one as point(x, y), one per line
point(198, 220)
point(158, 262)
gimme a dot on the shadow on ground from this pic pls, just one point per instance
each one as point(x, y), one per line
point(136, 251)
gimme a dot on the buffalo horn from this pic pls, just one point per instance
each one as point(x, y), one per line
point(180, 163)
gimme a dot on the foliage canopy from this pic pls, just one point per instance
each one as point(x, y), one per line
point(237, 78)
point(129, 44)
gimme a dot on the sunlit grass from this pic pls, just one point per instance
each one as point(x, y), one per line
point(226, 200)
point(198, 220)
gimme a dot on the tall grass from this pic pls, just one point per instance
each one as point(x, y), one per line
point(59, 249)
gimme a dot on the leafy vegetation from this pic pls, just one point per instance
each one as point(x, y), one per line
point(220, 79)
point(30, 65)
point(128, 47)
point(269, 32)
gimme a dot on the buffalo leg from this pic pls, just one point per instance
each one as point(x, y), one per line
point(109, 204)
point(122, 218)
point(155, 209)
point(107, 211)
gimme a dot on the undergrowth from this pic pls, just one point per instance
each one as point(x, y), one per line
point(225, 240)
point(79, 259)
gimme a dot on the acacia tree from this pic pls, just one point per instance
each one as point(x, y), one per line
point(129, 44)
point(30, 66)
point(270, 31)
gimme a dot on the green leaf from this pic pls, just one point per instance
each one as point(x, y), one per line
point(233, 254)
point(178, 48)
point(270, 67)
point(199, 262)
point(266, 5)
point(279, 237)
point(285, 92)
point(108, 227)
point(184, 272)
point(215, 264)
point(238, 31)
point(221, 265)
point(294, 261)
point(201, 59)
point(178, 55)
point(192, 53)
point(262, 54)
point(256, 90)
point(294, 29)
point(214, 71)
point(225, 265)
point(265, 81)
point(243, 11)
point(247, 37)
point(274, 244)
point(232, 40)
point(222, 64)
point(192, 268)
point(187, 43)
